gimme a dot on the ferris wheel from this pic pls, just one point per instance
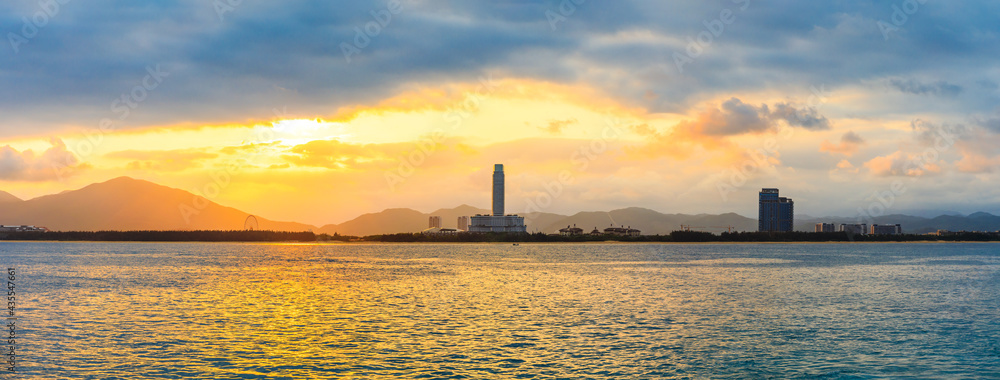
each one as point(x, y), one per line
point(251, 223)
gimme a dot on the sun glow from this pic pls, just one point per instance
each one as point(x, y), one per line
point(300, 131)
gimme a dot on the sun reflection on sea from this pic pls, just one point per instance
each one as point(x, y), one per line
point(441, 311)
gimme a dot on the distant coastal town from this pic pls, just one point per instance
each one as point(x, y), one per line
point(775, 223)
point(776, 214)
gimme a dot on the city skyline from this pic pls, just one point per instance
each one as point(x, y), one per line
point(500, 189)
point(600, 107)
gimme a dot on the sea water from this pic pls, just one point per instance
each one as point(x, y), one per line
point(205, 310)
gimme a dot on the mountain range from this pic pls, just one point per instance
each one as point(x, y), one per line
point(130, 204)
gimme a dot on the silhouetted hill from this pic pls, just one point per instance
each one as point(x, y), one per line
point(390, 221)
point(129, 204)
point(652, 222)
point(404, 220)
point(537, 221)
point(393, 221)
point(6, 197)
point(449, 216)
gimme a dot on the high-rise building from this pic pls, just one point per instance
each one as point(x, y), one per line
point(826, 227)
point(498, 221)
point(463, 223)
point(434, 221)
point(775, 214)
point(498, 190)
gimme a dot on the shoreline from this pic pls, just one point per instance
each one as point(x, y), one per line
point(609, 242)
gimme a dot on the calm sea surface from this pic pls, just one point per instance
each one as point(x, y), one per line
point(813, 311)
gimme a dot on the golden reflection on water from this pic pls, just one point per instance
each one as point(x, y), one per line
point(443, 311)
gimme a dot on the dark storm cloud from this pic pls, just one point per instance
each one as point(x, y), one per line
point(259, 56)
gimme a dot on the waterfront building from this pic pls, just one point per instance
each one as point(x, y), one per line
point(854, 229)
point(497, 222)
point(440, 231)
point(775, 213)
point(23, 228)
point(622, 231)
point(571, 231)
point(826, 227)
point(886, 229)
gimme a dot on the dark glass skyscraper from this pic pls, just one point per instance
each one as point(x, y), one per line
point(775, 214)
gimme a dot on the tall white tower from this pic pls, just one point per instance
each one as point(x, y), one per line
point(498, 189)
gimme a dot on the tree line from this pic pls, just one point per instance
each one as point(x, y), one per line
point(673, 237)
point(678, 237)
point(169, 236)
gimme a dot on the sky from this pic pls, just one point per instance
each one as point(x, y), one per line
point(319, 111)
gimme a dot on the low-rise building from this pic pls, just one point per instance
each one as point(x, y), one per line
point(434, 221)
point(826, 227)
point(571, 231)
point(621, 231)
point(23, 228)
point(497, 223)
point(440, 231)
point(854, 229)
point(886, 229)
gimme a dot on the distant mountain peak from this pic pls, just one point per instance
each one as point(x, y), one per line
point(8, 197)
point(981, 214)
point(123, 180)
point(126, 203)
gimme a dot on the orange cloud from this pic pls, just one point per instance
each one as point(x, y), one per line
point(972, 162)
point(846, 165)
point(163, 160)
point(251, 147)
point(710, 130)
point(849, 144)
point(556, 127)
point(54, 163)
point(333, 154)
point(901, 164)
point(463, 97)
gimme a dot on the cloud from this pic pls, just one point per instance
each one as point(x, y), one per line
point(844, 172)
point(53, 164)
point(848, 145)
point(265, 55)
point(912, 86)
point(901, 164)
point(713, 128)
point(428, 151)
point(248, 148)
point(991, 124)
point(163, 160)
point(556, 127)
point(977, 163)
point(935, 134)
point(733, 117)
point(334, 154)
point(806, 117)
